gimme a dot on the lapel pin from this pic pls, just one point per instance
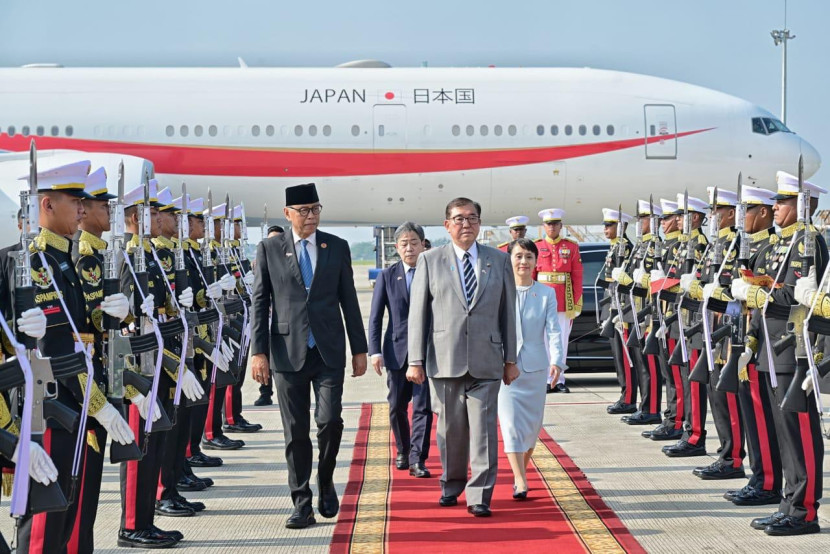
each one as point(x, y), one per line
point(399, 278)
point(288, 254)
point(323, 245)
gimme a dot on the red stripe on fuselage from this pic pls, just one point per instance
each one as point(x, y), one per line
point(279, 162)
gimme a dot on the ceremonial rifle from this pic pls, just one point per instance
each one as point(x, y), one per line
point(651, 345)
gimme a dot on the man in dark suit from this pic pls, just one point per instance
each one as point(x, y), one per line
point(303, 280)
point(392, 294)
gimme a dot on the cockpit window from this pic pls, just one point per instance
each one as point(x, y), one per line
point(768, 126)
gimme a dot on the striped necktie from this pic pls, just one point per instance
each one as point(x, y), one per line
point(308, 275)
point(469, 278)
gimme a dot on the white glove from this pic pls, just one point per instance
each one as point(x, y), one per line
point(657, 274)
point(186, 298)
point(115, 425)
point(807, 384)
point(41, 467)
point(616, 272)
point(217, 358)
point(686, 280)
point(248, 278)
point(148, 307)
point(227, 282)
point(661, 332)
point(226, 351)
point(805, 288)
point(639, 274)
point(144, 404)
point(739, 289)
point(191, 387)
point(709, 289)
point(116, 305)
point(744, 358)
point(32, 323)
point(214, 290)
point(616, 320)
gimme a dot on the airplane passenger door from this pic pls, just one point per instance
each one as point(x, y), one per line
point(661, 132)
point(389, 131)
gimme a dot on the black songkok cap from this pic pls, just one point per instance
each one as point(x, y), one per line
point(301, 194)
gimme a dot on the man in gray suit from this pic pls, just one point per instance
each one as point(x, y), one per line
point(462, 329)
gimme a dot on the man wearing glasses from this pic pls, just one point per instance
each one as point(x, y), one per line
point(303, 280)
point(559, 266)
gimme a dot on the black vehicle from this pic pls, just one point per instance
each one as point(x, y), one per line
point(587, 350)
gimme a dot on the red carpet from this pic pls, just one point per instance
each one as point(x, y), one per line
point(386, 510)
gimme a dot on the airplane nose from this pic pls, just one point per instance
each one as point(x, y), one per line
point(812, 159)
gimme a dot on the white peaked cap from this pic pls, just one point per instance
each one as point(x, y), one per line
point(788, 186)
point(669, 207)
point(613, 216)
point(135, 196)
point(237, 212)
point(177, 203)
point(517, 221)
point(695, 204)
point(725, 197)
point(96, 182)
point(196, 206)
point(69, 178)
point(756, 196)
point(552, 214)
point(165, 198)
point(644, 208)
point(218, 211)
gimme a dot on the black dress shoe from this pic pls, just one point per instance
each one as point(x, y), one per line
point(731, 494)
point(756, 497)
point(195, 506)
point(447, 501)
point(245, 423)
point(685, 449)
point(559, 387)
point(621, 408)
point(242, 426)
point(666, 434)
point(145, 538)
point(402, 461)
point(172, 508)
point(641, 418)
point(188, 483)
point(479, 510)
point(720, 470)
point(761, 523)
point(206, 480)
point(301, 518)
point(419, 470)
point(175, 535)
point(790, 526)
point(327, 502)
point(221, 442)
point(203, 460)
point(263, 400)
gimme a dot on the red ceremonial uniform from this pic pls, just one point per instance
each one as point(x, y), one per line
point(503, 246)
point(559, 266)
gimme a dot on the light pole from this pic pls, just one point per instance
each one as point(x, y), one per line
point(781, 36)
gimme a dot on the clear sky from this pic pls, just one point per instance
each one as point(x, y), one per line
point(720, 44)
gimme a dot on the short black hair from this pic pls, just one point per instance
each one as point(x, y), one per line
point(525, 244)
point(274, 229)
point(19, 215)
point(461, 201)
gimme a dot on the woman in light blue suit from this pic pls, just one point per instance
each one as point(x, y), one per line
point(522, 404)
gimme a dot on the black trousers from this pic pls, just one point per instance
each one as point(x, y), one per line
point(626, 375)
point(761, 438)
point(82, 539)
point(198, 413)
point(413, 442)
point(174, 450)
point(650, 380)
point(675, 391)
point(232, 410)
point(50, 532)
point(802, 452)
point(139, 479)
point(694, 419)
point(294, 395)
point(728, 422)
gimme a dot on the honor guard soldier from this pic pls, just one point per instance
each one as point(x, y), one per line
point(764, 485)
point(714, 282)
point(647, 366)
point(560, 267)
point(690, 256)
point(797, 426)
point(59, 294)
point(618, 254)
point(671, 428)
point(517, 227)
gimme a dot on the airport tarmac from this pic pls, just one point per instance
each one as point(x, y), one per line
point(664, 506)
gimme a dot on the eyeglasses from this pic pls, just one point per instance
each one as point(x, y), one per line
point(460, 219)
point(304, 211)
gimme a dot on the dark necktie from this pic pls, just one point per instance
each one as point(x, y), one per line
point(469, 278)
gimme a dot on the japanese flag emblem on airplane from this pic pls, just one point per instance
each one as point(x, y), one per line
point(390, 96)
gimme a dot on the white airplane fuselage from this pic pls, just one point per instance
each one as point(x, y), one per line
point(388, 145)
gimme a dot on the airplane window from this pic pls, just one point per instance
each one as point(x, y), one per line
point(381, 130)
point(540, 130)
point(511, 130)
point(255, 130)
point(609, 130)
point(456, 130)
point(652, 130)
point(55, 130)
point(111, 131)
point(269, 130)
point(582, 130)
point(212, 130)
point(483, 131)
point(11, 130)
point(125, 130)
point(774, 126)
point(240, 130)
point(227, 130)
point(184, 131)
point(298, 130)
point(40, 130)
point(24, 130)
point(355, 130)
point(554, 130)
point(470, 130)
point(99, 131)
point(569, 130)
point(312, 130)
point(497, 130)
point(169, 131)
point(326, 130)
point(69, 130)
point(596, 130)
point(198, 130)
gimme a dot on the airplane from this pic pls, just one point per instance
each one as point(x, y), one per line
point(385, 145)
